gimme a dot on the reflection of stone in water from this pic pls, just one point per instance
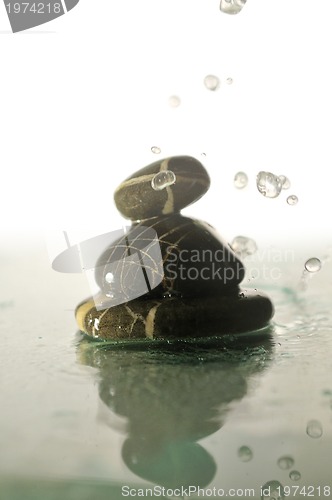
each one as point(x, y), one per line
point(172, 397)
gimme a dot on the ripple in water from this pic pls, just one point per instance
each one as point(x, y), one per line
point(163, 179)
point(240, 180)
point(244, 453)
point(268, 184)
point(211, 82)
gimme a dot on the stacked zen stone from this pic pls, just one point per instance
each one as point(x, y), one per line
point(169, 276)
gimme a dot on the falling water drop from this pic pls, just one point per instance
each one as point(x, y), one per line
point(229, 81)
point(268, 184)
point(295, 475)
point(211, 82)
point(155, 150)
point(313, 265)
point(174, 101)
point(314, 429)
point(243, 246)
point(240, 180)
point(285, 462)
point(292, 199)
point(232, 6)
point(285, 182)
point(244, 453)
point(163, 179)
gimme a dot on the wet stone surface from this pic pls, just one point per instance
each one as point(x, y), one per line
point(169, 276)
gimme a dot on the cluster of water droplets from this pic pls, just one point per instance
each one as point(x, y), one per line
point(268, 184)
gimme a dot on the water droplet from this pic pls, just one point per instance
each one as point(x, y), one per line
point(211, 82)
point(95, 328)
point(272, 490)
point(295, 475)
point(155, 150)
point(240, 180)
point(243, 246)
point(292, 199)
point(284, 181)
point(109, 278)
point(163, 179)
point(244, 453)
point(313, 265)
point(229, 81)
point(174, 101)
point(232, 6)
point(314, 429)
point(285, 462)
point(268, 184)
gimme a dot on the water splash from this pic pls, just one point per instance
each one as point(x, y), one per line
point(268, 184)
point(240, 180)
point(243, 246)
point(163, 179)
point(155, 150)
point(232, 6)
point(211, 82)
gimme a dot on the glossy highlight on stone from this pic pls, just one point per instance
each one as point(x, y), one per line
point(169, 276)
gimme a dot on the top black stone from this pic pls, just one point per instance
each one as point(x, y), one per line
point(162, 188)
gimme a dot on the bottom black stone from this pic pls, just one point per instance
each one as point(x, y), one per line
point(167, 318)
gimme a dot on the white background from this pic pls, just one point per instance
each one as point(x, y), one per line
point(84, 98)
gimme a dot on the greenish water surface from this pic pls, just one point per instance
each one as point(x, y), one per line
point(84, 420)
